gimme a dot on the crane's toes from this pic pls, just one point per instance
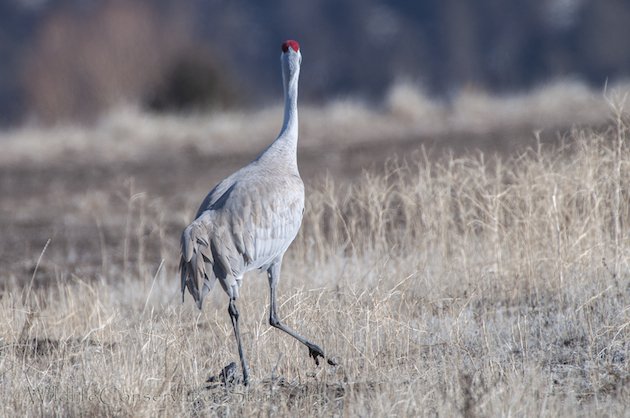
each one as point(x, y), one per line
point(227, 377)
point(315, 352)
point(228, 374)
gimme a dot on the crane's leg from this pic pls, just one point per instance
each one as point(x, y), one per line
point(234, 316)
point(314, 351)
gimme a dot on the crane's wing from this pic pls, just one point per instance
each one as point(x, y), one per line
point(247, 226)
point(196, 254)
point(217, 194)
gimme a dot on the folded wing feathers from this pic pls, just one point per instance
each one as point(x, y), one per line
point(196, 256)
point(209, 252)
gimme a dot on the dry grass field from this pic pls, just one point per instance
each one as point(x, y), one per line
point(464, 283)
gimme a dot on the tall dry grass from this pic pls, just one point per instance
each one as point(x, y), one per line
point(469, 286)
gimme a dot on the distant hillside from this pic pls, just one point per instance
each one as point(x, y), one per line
point(73, 58)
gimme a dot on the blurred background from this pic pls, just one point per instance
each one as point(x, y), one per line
point(72, 60)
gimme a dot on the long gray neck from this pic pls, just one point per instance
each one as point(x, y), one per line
point(283, 151)
point(289, 131)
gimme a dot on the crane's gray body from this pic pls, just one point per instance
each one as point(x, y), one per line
point(246, 222)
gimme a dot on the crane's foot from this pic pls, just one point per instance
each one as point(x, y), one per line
point(315, 352)
point(227, 377)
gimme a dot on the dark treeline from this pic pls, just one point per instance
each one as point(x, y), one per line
point(70, 59)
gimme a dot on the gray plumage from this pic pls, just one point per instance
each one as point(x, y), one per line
point(249, 219)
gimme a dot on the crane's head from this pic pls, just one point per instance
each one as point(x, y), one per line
point(291, 59)
point(290, 44)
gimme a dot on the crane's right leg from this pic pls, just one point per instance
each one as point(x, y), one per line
point(234, 316)
point(313, 349)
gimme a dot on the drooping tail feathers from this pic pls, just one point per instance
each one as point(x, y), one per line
point(196, 257)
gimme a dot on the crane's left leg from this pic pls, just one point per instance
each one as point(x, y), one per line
point(273, 274)
point(234, 316)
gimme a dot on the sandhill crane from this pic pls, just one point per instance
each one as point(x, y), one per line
point(249, 219)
